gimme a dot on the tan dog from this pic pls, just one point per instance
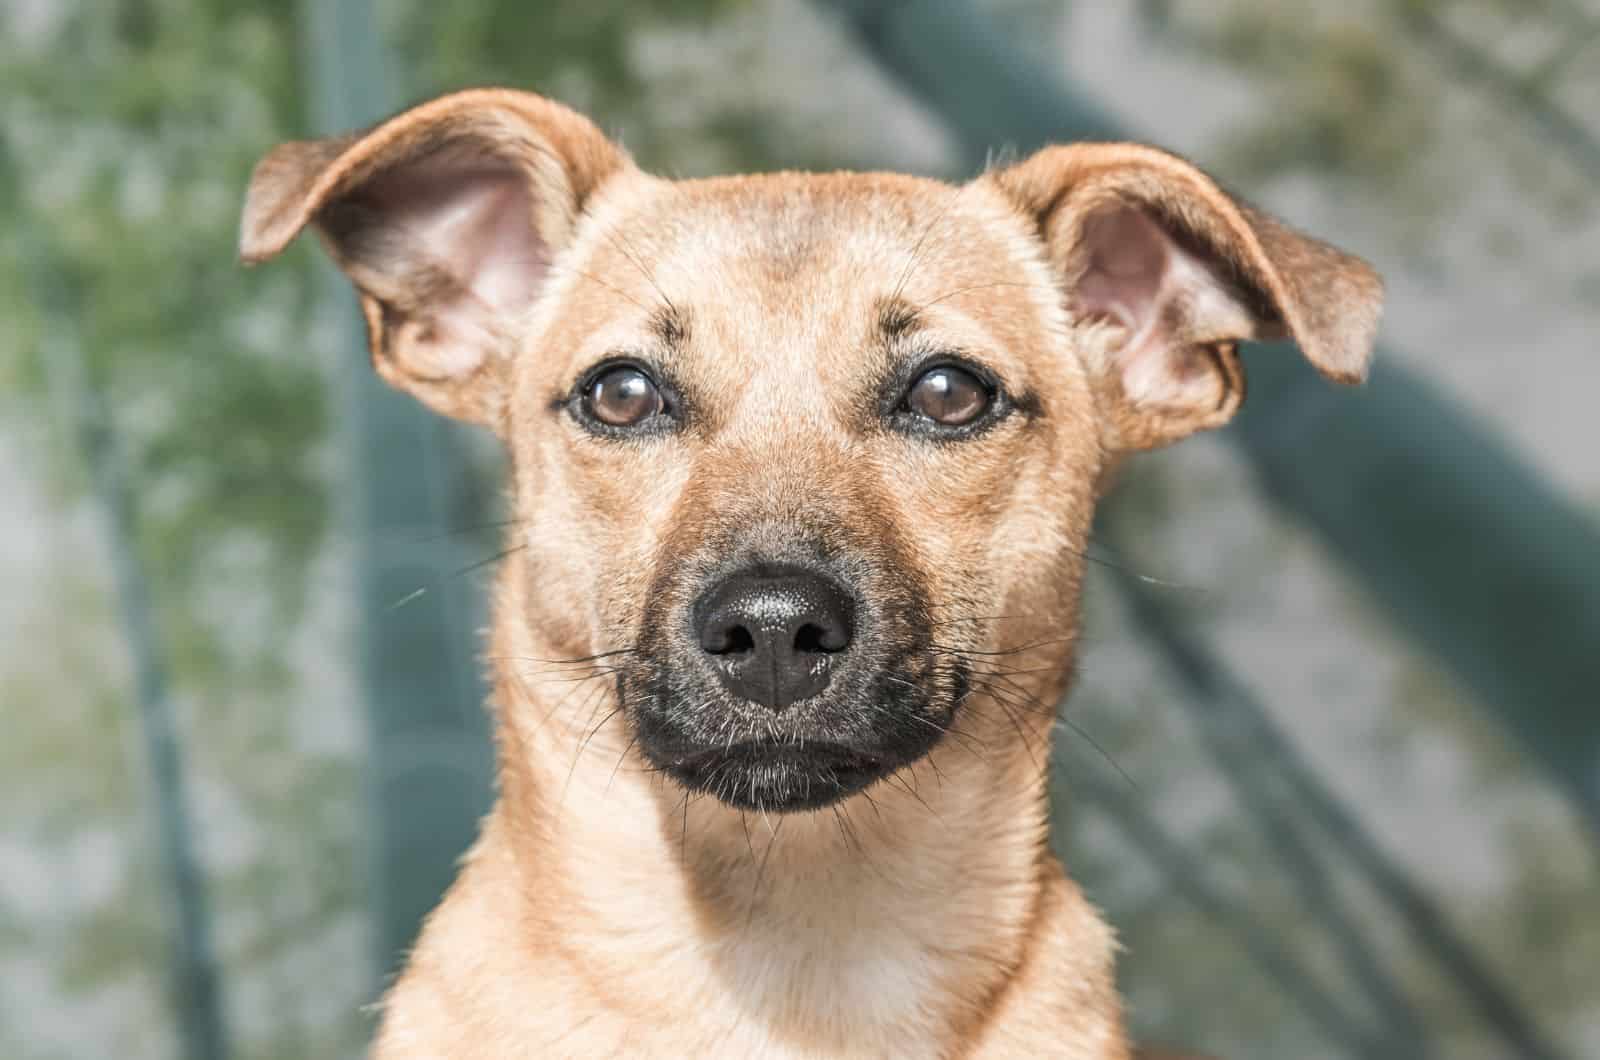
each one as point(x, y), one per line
point(803, 465)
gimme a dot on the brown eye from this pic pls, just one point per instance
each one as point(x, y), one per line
point(949, 396)
point(623, 397)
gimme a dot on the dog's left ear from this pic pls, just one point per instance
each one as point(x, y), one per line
point(1148, 244)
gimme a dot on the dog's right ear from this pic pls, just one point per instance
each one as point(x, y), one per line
point(446, 218)
point(1145, 243)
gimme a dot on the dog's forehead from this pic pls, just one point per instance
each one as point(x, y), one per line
point(786, 222)
point(814, 242)
point(798, 272)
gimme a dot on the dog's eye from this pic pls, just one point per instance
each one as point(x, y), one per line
point(949, 396)
point(622, 396)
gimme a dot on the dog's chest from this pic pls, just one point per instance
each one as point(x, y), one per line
point(780, 988)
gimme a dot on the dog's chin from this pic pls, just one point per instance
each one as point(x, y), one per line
point(814, 754)
point(780, 777)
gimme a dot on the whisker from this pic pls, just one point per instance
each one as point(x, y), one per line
point(468, 569)
point(611, 287)
point(909, 789)
point(1009, 651)
point(407, 598)
point(1147, 579)
point(683, 836)
point(761, 868)
point(575, 658)
point(496, 558)
point(1015, 693)
point(572, 770)
point(848, 833)
point(1069, 723)
point(563, 662)
point(974, 618)
point(1028, 742)
point(744, 822)
point(620, 757)
point(626, 250)
point(983, 287)
point(988, 669)
point(872, 803)
point(468, 529)
point(600, 725)
point(568, 679)
point(916, 251)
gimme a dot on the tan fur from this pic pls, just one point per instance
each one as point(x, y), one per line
point(602, 911)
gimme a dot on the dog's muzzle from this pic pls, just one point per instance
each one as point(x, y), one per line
point(782, 686)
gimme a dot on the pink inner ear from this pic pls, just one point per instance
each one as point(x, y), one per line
point(1127, 261)
point(470, 218)
point(1165, 300)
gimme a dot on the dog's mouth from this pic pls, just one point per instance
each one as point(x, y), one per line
point(780, 777)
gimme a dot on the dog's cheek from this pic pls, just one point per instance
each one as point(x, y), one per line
point(951, 503)
point(553, 551)
point(1036, 564)
point(577, 589)
point(625, 495)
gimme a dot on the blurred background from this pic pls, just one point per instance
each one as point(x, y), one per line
point(1332, 766)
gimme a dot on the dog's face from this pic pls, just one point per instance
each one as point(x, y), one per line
point(804, 465)
point(801, 454)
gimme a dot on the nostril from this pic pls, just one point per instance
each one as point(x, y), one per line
point(732, 640)
point(812, 639)
point(808, 638)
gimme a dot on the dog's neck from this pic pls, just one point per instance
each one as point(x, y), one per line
point(908, 907)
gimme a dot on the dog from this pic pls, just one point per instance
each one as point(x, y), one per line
point(803, 468)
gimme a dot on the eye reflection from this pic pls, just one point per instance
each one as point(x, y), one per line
point(949, 396)
point(623, 397)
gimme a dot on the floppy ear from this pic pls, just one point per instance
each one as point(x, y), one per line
point(446, 218)
point(1148, 244)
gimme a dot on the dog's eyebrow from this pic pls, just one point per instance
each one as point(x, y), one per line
point(896, 317)
point(668, 324)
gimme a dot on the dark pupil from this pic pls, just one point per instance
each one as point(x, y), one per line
point(623, 397)
point(949, 396)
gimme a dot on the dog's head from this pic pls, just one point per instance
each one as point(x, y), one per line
point(807, 452)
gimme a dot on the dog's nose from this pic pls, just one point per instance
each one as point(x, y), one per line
point(773, 635)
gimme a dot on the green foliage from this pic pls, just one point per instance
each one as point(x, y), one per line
point(128, 176)
point(581, 53)
point(1408, 104)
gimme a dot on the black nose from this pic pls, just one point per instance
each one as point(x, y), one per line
point(773, 634)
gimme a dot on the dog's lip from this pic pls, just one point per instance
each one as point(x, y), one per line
point(800, 752)
point(780, 776)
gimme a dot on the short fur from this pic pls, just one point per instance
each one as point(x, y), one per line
point(502, 248)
